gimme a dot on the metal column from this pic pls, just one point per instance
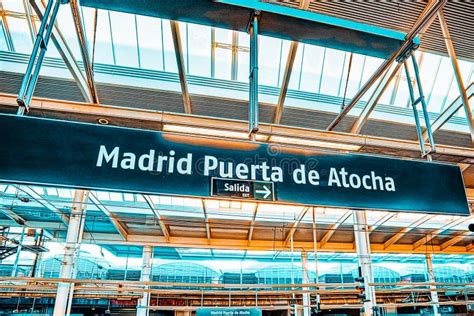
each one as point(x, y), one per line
point(362, 244)
point(431, 278)
point(144, 302)
point(178, 50)
point(37, 55)
point(81, 37)
point(457, 73)
point(414, 103)
point(305, 280)
point(71, 250)
point(253, 77)
point(316, 269)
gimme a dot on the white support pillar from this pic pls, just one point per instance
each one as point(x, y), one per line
point(144, 302)
point(305, 280)
point(362, 243)
point(431, 278)
point(71, 249)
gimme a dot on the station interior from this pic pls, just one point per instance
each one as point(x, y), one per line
point(381, 89)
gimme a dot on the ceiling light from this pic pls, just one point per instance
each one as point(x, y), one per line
point(103, 121)
point(204, 131)
point(312, 143)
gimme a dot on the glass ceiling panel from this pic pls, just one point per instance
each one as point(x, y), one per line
point(357, 68)
point(103, 52)
point(167, 42)
point(223, 63)
point(269, 68)
point(151, 51)
point(124, 39)
point(68, 30)
point(312, 66)
point(13, 5)
point(272, 212)
point(198, 39)
point(3, 39)
point(144, 42)
point(295, 80)
point(20, 36)
point(429, 71)
point(332, 70)
point(442, 83)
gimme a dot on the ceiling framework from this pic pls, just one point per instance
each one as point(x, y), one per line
point(411, 18)
point(401, 15)
point(260, 236)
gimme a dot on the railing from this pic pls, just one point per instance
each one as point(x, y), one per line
point(272, 296)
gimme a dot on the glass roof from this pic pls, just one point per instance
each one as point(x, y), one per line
point(144, 43)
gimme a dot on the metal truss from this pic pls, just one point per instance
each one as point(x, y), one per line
point(414, 103)
point(158, 216)
point(425, 19)
point(37, 56)
point(111, 216)
point(178, 50)
point(304, 4)
point(449, 111)
point(253, 76)
point(49, 30)
point(457, 74)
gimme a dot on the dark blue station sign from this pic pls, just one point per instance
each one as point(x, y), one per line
point(79, 155)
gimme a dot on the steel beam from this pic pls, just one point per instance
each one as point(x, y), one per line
point(40, 46)
point(81, 37)
point(425, 19)
point(426, 239)
point(414, 102)
point(470, 247)
point(381, 221)
point(449, 112)
point(332, 229)
point(392, 240)
point(374, 99)
point(41, 200)
point(87, 112)
point(30, 20)
point(178, 50)
point(66, 54)
point(285, 82)
point(235, 56)
point(206, 219)
point(304, 4)
point(13, 216)
point(253, 77)
point(457, 73)
point(454, 240)
point(112, 218)
point(157, 214)
point(252, 223)
point(295, 224)
point(257, 245)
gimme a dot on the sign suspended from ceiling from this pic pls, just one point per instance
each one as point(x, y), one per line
point(79, 155)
